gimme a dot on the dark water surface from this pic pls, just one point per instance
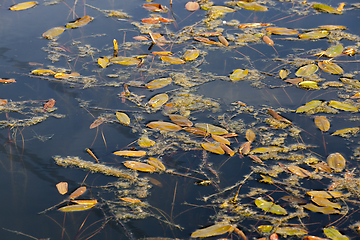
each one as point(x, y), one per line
point(28, 173)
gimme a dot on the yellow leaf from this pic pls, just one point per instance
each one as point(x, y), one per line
point(139, 166)
point(330, 67)
point(309, 85)
point(85, 201)
point(239, 74)
point(23, 6)
point(180, 120)
point(130, 153)
point(281, 31)
point(252, 6)
point(214, 148)
point(322, 123)
point(76, 207)
point(43, 72)
point(80, 22)
point(220, 139)
point(336, 161)
point(283, 73)
point(145, 142)
point(325, 210)
point(325, 194)
point(103, 62)
point(213, 230)
point(53, 32)
point(309, 106)
point(131, 200)
point(126, 60)
point(158, 100)
point(324, 202)
point(164, 126)
point(250, 135)
point(172, 60)
point(156, 163)
point(298, 171)
point(306, 70)
point(192, 54)
point(158, 83)
point(123, 118)
point(343, 132)
point(227, 149)
point(343, 106)
point(314, 34)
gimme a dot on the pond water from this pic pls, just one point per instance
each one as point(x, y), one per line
point(201, 89)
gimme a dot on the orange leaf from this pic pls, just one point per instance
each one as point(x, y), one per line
point(192, 6)
point(97, 122)
point(49, 104)
point(130, 153)
point(78, 192)
point(62, 187)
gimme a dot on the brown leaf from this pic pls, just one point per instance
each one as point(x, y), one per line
point(322, 123)
point(62, 187)
point(192, 6)
point(78, 192)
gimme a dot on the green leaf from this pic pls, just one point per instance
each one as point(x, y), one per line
point(334, 234)
point(270, 207)
point(325, 8)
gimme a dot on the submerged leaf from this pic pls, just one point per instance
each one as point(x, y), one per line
point(291, 231)
point(213, 230)
point(97, 122)
point(266, 150)
point(80, 22)
point(343, 132)
point(270, 207)
point(139, 166)
point(239, 74)
point(322, 123)
point(222, 9)
point(192, 6)
point(23, 6)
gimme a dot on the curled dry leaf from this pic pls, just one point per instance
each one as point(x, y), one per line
point(49, 104)
point(3, 102)
point(155, 7)
point(62, 187)
point(192, 6)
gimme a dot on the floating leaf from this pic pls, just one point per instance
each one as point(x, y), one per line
point(227, 149)
point(324, 202)
point(223, 40)
point(250, 135)
point(156, 163)
point(266, 150)
point(314, 34)
point(309, 85)
point(336, 161)
point(144, 141)
point(192, 6)
point(130, 200)
point(158, 100)
point(325, 194)
point(158, 83)
point(332, 27)
point(78, 192)
point(130, 153)
point(66, 75)
point(139, 166)
point(306, 70)
point(172, 60)
point(126, 60)
point(164, 126)
point(291, 231)
point(213, 230)
point(284, 73)
point(281, 31)
point(23, 6)
point(85, 201)
point(322, 123)
point(211, 128)
point(80, 22)
point(278, 117)
point(334, 51)
point(268, 40)
point(220, 139)
point(162, 53)
point(62, 187)
point(343, 106)
point(214, 148)
point(192, 54)
point(325, 210)
point(298, 171)
point(256, 159)
point(252, 6)
point(123, 118)
point(270, 207)
point(180, 120)
point(334, 234)
point(294, 199)
point(222, 9)
point(103, 62)
point(294, 81)
point(49, 104)
point(195, 131)
point(53, 32)
point(97, 122)
point(206, 40)
point(330, 67)
point(325, 8)
point(203, 183)
point(239, 74)
point(265, 228)
point(43, 72)
point(154, 7)
point(309, 106)
point(7, 80)
point(245, 148)
point(3, 102)
point(343, 132)
point(76, 207)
